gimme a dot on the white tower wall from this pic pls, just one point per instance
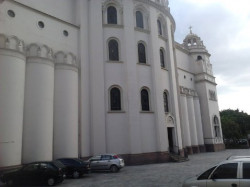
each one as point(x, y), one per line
point(12, 80)
point(65, 107)
point(38, 107)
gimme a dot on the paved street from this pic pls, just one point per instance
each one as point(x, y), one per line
point(154, 175)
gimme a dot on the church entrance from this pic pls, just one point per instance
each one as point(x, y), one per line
point(170, 139)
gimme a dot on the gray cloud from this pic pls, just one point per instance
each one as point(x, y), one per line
point(221, 31)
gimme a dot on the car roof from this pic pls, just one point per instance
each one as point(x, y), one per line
point(238, 157)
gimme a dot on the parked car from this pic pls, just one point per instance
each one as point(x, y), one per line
point(112, 162)
point(75, 167)
point(234, 172)
point(36, 173)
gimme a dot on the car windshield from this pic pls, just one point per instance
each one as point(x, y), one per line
point(206, 174)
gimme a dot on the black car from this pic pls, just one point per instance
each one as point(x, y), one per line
point(36, 173)
point(75, 167)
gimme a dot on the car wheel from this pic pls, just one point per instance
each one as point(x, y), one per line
point(114, 169)
point(51, 182)
point(76, 174)
point(10, 182)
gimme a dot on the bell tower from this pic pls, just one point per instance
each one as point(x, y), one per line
point(205, 86)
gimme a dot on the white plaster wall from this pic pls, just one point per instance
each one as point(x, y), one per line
point(148, 132)
point(117, 133)
point(65, 142)
point(12, 80)
point(186, 79)
point(184, 61)
point(38, 111)
point(25, 25)
point(61, 9)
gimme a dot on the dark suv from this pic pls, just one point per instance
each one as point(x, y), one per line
point(75, 167)
point(36, 173)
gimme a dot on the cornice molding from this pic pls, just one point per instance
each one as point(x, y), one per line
point(12, 53)
point(66, 67)
point(40, 60)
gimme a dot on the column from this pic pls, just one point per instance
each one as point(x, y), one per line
point(185, 125)
point(192, 123)
point(199, 124)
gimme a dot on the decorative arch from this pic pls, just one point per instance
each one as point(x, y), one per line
point(37, 50)
point(12, 42)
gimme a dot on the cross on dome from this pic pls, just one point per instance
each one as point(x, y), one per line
point(190, 28)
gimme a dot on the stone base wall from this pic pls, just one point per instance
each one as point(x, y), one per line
point(195, 149)
point(189, 150)
point(145, 158)
point(214, 147)
point(202, 148)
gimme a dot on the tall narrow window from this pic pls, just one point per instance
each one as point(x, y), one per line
point(113, 50)
point(139, 19)
point(142, 53)
point(159, 27)
point(115, 99)
point(144, 100)
point(165, 99)
point(162, 58)
point(216, 126)
point(112, 15)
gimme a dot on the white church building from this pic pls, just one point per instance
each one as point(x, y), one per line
point(84, 77)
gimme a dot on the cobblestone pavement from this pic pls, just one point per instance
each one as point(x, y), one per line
point(154, 175)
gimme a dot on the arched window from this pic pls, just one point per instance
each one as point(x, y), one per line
point(112, 15)
point(165, 99)
point(139, 19)
point(113, 50)
point(144, 100)
point(115, 99)
point(199, 57)
point(216, 127)
point(162, 58)
point(216, 120)
point(159, 27)
point(142, 53)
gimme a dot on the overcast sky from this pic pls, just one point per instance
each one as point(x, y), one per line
point(224, 27)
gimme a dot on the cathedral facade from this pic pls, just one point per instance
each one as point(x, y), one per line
point(85, 77)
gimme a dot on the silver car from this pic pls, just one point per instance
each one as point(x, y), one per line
point(112, 162)
point(234, 172)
